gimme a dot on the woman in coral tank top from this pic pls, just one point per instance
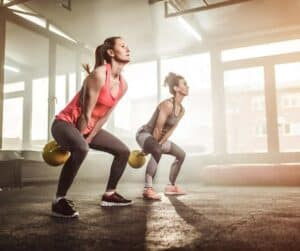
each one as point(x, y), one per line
point(78, 126)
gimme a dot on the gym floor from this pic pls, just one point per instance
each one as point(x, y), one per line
point(208, 218)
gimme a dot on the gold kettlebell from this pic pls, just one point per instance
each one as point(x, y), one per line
point(136, 159)
point(53, 155)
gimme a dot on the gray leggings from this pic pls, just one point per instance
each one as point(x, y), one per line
point(149, 145)
point(69, 138)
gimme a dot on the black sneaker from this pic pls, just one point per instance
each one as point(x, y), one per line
point(114, 199)
point(64, 208)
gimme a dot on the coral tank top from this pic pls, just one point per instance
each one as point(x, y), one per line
point(105, 102)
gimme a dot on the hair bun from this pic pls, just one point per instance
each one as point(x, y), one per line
point(169, 78)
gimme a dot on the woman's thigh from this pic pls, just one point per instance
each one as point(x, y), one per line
point(67, 136)
point(107, 142)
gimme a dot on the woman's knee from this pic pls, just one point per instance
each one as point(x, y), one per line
point(124, 153)
point(151, 145)
point(157, 150)
point(181, 156)
point(82, 148)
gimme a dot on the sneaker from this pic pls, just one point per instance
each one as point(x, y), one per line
point(150, 194)
point(173, 190)
point(114, 199)
point(64, 208)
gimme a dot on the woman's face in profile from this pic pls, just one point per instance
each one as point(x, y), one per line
point(121, 51)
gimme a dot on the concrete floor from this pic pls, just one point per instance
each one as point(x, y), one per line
point(208, 218)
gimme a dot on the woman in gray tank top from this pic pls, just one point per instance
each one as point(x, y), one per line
point(153, 136)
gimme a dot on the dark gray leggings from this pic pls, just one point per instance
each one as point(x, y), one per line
point(69, 138)
point(149, 145)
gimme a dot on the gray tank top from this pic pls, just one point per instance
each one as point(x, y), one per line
point(170, 122)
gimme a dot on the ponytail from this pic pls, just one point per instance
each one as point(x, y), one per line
point(86, 67)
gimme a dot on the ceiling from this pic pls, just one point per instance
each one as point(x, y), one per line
point(145, 28)
point(148, 32)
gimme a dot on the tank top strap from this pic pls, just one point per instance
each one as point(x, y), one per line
point(173, 109)
point(107, 81)
point(108, 70)
point(121, 87)
point(172, 100)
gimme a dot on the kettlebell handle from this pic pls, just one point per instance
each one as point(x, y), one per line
point(141, 153)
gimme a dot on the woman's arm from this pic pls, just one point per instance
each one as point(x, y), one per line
point(91, 89)
point(169, 133)
point(102, 121)
point(165, 109)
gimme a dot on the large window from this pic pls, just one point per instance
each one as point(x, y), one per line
point(72, 86)
point(13, 123)
point(261, 50)
point(26, 88)
point(194, 132)
point(14, 87)
point(60, 93)
point(137, 106)
point(65, 84)
point(39, 127)
point(288, 106)
point(245, 110)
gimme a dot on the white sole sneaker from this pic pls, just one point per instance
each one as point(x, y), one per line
point(174, 193)
point(152, 199)
point(114, 204)
point(75, 215)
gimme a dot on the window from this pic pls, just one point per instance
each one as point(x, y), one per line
point(261, 50)
point(60, 93)
point(26, 91)
point(290, 100)
point(39, 127)
point(287, 78)
point(295, 129)
point(72, 86)
point(258, 103)
point(291, 129)
point(13, 115)
point(260, 130)
point(244, 90)
point(14, 87)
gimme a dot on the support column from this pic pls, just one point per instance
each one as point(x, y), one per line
point(27, 110)
point(218, 102)
point(2, 61)
point(51, 79)
point(271, 110)
point(67, 87)
point(158, 80)
point(78, 70)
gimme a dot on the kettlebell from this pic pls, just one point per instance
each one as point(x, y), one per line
point(53, 155)
point(136, 159)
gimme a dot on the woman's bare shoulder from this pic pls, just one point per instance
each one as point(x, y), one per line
point(97, 76)
point(166, 106)
point(99, 72)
